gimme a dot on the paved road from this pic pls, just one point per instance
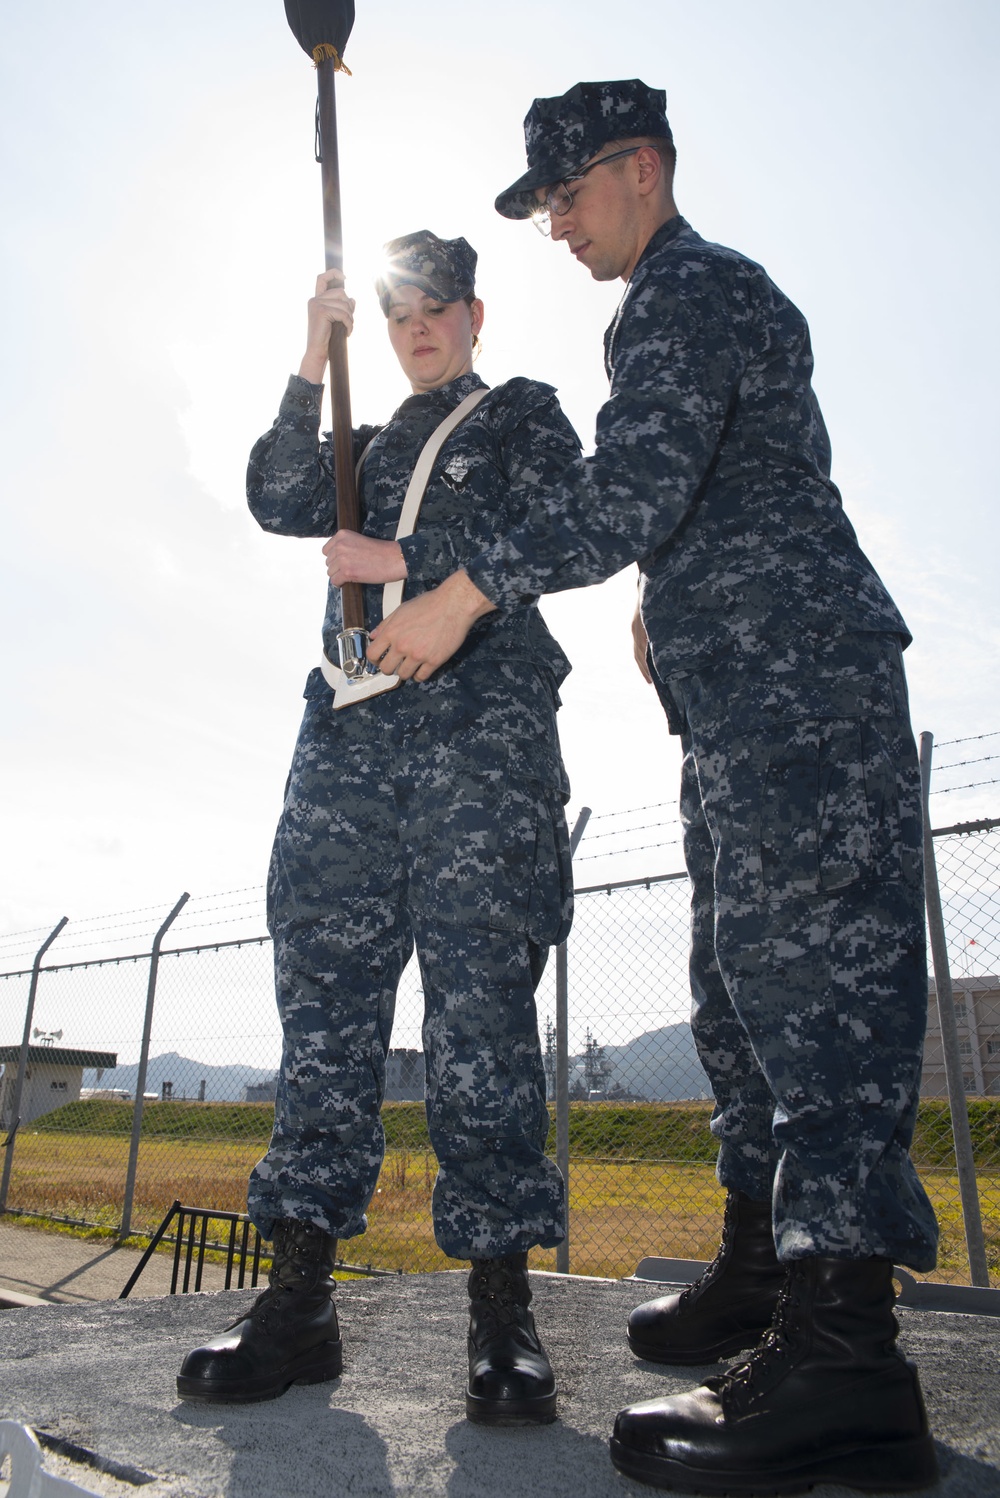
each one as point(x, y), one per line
point(72, 1271)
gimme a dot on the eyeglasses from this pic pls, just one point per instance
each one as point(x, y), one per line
point(560, 200)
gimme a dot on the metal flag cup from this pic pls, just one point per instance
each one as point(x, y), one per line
point(351, 647)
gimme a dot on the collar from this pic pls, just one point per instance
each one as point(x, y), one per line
point(445, 398)
point(663, 236)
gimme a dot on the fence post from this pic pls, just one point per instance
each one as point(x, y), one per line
point(562, 1058)
point(140, 1081)
point(961, 1133)
point(22, 1064)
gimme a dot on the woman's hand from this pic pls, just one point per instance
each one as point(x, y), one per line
point(640, 644)
point(330, 305)
point(353, 558)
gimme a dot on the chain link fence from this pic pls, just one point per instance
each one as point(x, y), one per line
point(640, 1153)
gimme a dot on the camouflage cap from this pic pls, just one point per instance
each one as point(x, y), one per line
point(562, 134)
point(444, 268)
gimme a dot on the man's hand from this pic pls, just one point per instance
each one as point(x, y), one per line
point(425, 632)
point(640, 644)
point(354, 558)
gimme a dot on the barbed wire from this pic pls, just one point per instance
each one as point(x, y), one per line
point(14, 941)
point(624, 831)
point(642, 848)
point(973, 785)
point(232, 920)
point(222, 894)
point(81, 946)
point(202, 911)
point(113, 923)
point(117, 916)
point(200, 908)
point(122, 958)
point(959, 764)
point(634, 811)
point(970, 739)
point(28, 931)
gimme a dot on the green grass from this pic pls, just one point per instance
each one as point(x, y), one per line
point(621, 1207)
point(230, 1121)
point(607, 1131)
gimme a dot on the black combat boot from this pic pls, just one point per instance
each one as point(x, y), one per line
point(729, 1307)
point(510, 1378)
point(290, 1335)
point(825, 1397)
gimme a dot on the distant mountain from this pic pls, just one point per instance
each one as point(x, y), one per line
point(661, 1066)
point(223, 1084)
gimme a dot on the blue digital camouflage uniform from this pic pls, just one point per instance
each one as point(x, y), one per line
point(776, 651)
point(433, 815)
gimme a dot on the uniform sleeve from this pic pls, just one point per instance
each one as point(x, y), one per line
point(432, 554)
point(536, 443)
point(536, 452)
point(675, 380)
point(290, 476)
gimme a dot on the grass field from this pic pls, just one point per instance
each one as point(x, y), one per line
point(641, 1179)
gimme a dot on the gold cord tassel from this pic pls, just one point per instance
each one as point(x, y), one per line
point(325, 50)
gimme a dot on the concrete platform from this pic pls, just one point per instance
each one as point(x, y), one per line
point(100, 1378)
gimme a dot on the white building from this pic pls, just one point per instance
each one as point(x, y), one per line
point(53, 1077)
point(977, 1013)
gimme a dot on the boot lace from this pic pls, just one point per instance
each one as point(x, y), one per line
point(499, 1297)
point(712, 1271)
point(296, 1268)
point(745, 1381)
point(298, 1257)
point(265, 1310)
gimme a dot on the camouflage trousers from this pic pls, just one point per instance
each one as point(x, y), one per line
point(801, 811)
point(430, 817)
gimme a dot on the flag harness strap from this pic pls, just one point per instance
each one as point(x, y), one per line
point(345, 693)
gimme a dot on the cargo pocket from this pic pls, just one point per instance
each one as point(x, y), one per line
point(892, 794)
point(532, 887)
point(844, 818)
point(815, 820)
point(840, 804)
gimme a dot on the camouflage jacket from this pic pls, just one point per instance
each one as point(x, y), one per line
point(711, 469)
point(486, 476)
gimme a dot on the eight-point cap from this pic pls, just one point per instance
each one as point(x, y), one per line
point(444, 268)
point(562, 134)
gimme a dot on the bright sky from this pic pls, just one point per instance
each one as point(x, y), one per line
point(160, 235)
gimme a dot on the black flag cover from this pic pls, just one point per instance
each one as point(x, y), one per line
point(321, 27)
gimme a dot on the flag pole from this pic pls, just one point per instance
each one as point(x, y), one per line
point(321, 28)
point(352, 642)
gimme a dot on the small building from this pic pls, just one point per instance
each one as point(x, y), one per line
point(260, 1092)
point(977, 1016)
point(404, 1076)
point(53, 1077)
